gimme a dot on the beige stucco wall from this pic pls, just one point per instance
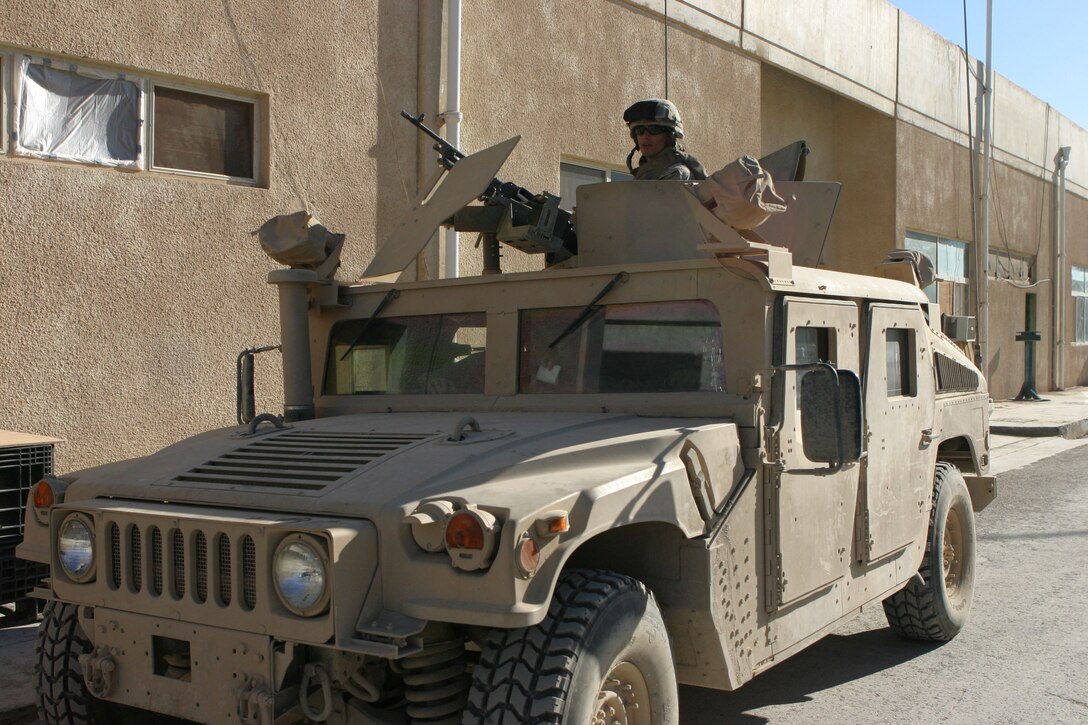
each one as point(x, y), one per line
point(127, 296)
point(561, 73)
point(849, 143)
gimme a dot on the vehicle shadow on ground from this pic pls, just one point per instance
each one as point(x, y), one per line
point(833, 661)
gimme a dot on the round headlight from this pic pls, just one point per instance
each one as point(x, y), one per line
point(300, 574)
point(75, 548)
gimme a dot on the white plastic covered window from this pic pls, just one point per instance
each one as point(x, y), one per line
point(77, 114)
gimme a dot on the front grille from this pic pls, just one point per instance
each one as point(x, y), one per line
point(156, 560)
point(296, 462)
point(20, 468)
point(179, 563)
point(249, 572)
point(224, 569)
point(137, 559)
point(205, 573)
point(201, 567)
point(115, 556)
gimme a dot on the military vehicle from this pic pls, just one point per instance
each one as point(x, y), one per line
point(675, 455)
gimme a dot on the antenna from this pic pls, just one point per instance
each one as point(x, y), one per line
point(666, 50)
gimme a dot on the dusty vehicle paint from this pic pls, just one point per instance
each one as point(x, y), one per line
point(473, 448)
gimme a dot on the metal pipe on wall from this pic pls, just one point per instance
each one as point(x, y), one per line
point(1061, 160)
point(984, 250)
point(452, 114)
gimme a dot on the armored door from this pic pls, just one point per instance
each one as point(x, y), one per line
point(811, 509)
point(898, 391)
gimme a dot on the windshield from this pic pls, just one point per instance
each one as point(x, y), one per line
point(656, 347)
point(408, 355)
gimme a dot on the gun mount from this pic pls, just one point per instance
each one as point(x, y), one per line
point(510, 214)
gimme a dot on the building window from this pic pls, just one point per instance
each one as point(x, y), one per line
point(62, 111)
point(572, 175)
point(1080, 294)
point(952, 266)
point(1016, 268)
point(77, 114)
point(202, 133)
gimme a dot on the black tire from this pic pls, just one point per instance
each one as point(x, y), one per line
point(936, 609)
point(62, 696)
point(599, 623)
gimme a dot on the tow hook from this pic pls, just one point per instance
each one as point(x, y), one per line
point(317, 672)
point(98, 668)
point(255, 703)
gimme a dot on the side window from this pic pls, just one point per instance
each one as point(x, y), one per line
point(900, 363)
point(77, 114)
point(813, 344)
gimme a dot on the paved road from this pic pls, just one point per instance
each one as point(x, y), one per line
point(1023, 657)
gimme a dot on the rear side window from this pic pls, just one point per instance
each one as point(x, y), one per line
point(900, 362)
point(424, 354)
point(656, 347)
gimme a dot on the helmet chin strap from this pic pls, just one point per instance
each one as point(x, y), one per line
point(631, 156)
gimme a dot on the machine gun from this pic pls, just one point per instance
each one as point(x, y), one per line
point(511, 214)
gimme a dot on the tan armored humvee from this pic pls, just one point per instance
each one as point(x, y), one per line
point(678, 456)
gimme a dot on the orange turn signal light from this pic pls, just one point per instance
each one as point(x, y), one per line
point(43, 495)
point(464, 531)
point(558, 525)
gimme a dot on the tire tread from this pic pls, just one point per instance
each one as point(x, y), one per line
point(913, 611)
point(523, 674)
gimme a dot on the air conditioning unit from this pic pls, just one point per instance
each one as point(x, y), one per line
point(24, 460)
point(959, 327)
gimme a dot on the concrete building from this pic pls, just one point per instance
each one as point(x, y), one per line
point(142, 145)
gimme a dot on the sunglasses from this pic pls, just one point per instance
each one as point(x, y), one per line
point(652, 130)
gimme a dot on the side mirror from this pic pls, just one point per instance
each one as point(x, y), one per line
point(831, 416)
point(245, 407)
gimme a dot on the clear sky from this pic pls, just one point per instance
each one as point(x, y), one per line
point(1040, 45)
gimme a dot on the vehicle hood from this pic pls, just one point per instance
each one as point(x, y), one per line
point(354, 465)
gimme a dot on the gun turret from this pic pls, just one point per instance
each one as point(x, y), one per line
point(511, 214)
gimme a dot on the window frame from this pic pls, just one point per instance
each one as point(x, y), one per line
point(147, 82)
point(932, 293)
point(149, 102)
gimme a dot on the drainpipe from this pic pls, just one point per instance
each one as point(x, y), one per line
point(452, 114)
point(984, 251)
point(1061, 159)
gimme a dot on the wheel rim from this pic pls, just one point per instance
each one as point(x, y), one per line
point(952, 557)
point(624, 698)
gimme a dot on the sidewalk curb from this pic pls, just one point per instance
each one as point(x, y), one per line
point(1071, 431)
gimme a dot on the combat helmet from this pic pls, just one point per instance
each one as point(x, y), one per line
point(654, 112)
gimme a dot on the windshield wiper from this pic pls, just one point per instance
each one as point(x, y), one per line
point(589, 310)
point(389, 297)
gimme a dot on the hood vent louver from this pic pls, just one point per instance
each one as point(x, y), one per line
point(295, 462)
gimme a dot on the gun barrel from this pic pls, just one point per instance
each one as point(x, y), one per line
point(444, 147)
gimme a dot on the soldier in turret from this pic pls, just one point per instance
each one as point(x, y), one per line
point(656, 128)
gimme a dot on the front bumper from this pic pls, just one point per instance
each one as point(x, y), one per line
point(197, 672)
